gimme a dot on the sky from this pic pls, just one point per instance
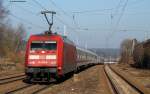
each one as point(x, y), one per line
point(89, 23)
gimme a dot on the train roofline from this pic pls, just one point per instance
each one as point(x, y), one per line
point(68, 41)
point(85, 50)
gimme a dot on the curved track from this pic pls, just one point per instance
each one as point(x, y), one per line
point(119, 84)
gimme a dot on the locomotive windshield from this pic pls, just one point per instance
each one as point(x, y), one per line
point(43, 45)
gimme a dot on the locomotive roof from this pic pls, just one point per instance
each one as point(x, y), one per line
point(65, 38)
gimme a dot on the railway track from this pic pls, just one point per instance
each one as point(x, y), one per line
point(29, 89)
point(14, 84)
point(119, 84)
point(12, 78)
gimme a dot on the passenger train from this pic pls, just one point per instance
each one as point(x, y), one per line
point(51, 56)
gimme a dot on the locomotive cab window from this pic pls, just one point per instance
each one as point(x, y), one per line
point(43, 45)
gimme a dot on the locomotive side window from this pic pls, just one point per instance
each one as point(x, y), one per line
point(43, 45)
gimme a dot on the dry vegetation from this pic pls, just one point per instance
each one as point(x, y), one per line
point(142, 54)
point(126, 50)
point(12, 40)
point(136, 53)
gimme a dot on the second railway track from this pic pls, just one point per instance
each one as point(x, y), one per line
point(15, 84)
point(12, 78)
point(29, 89)
point(119, 84)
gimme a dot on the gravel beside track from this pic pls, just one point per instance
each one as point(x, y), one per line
point(30, 89)
point(90, 81)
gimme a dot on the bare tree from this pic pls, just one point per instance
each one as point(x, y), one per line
point(20, 37)
point(126, 50)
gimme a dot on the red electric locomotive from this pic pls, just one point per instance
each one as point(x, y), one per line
point(49, 56)
point(52, 56)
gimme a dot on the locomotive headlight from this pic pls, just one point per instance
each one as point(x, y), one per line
point(51, 57)
point(33, 56)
